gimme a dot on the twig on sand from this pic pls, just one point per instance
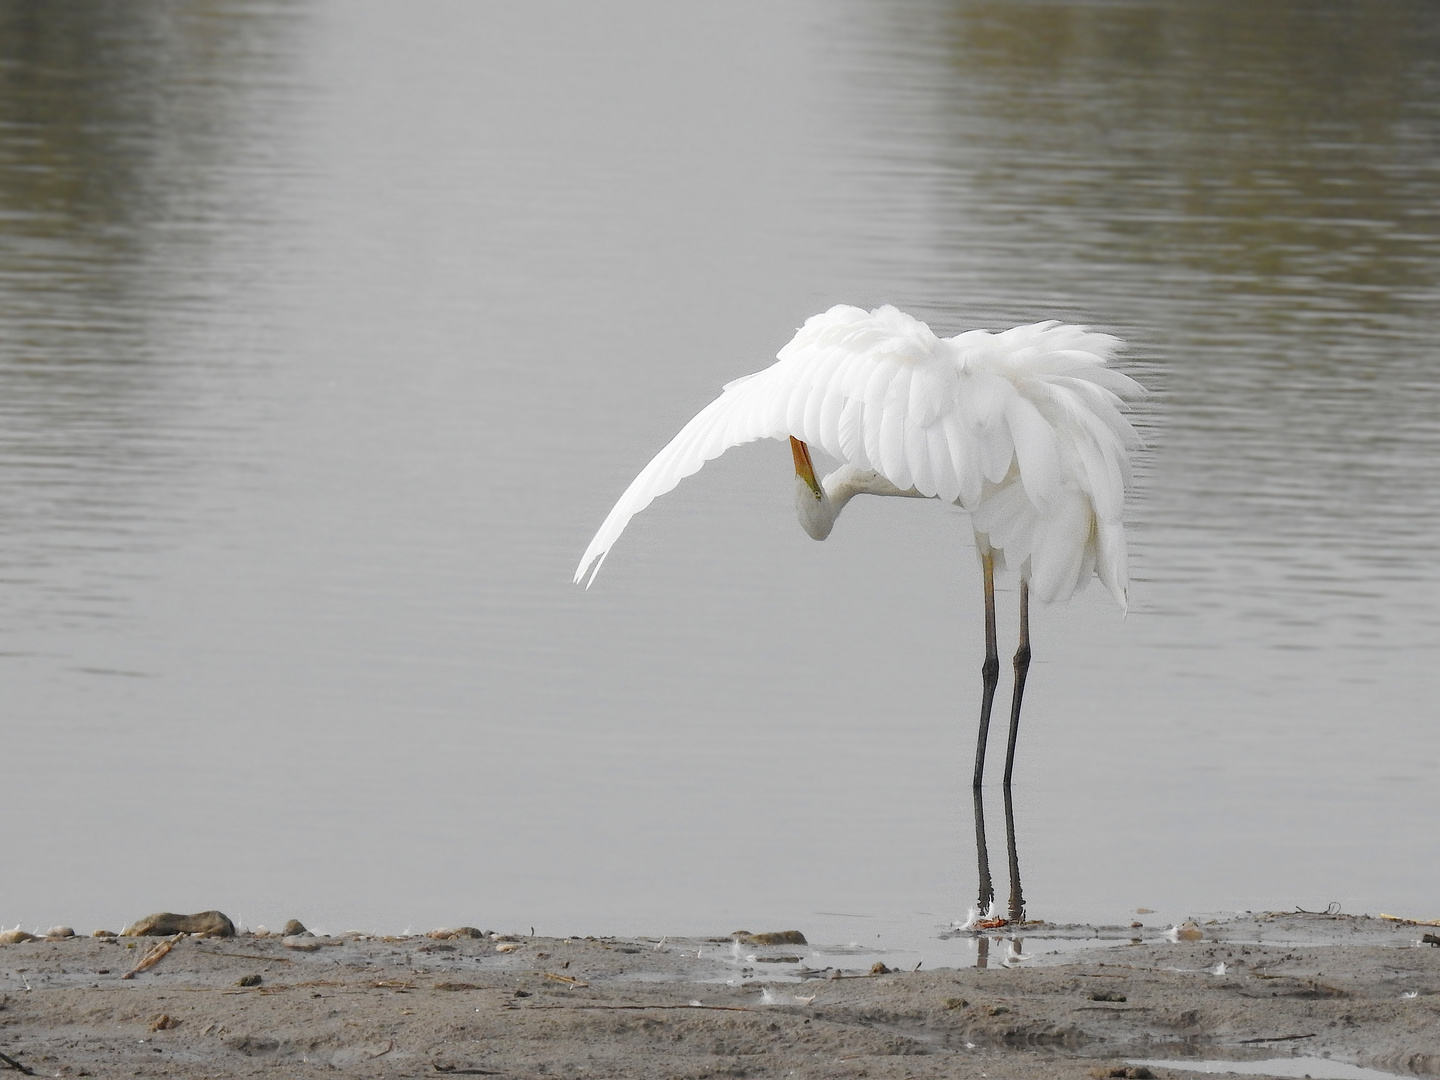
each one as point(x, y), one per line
point(153, 957)
point(1279, 1038)
point(1332, 908)
point(568, 980)
point(11, 1063)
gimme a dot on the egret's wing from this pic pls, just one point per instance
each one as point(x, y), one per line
point(872, 389)
point(860, 385)
point(739, 415)
point(951, 418)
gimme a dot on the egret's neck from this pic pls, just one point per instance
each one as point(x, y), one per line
point(817, 514)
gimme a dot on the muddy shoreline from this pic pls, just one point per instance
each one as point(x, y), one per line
point(1353, 990)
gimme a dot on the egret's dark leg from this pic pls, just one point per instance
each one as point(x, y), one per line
point(1022, 666)
point(987, 887)
point(990, 670)
point(1017, 895)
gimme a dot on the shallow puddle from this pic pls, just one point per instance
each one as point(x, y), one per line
point(1310, 1068)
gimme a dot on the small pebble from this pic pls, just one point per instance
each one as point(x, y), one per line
point(293, 928)
point(14, 937)
point(56, 932)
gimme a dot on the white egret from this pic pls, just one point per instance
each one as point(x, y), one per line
point(1021, 428)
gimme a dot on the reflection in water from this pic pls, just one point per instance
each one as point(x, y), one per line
point(1254, 193)
point(121, 128)
point(1016, 911)
point(985, 914)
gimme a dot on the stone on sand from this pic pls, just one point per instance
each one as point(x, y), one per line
point(777, 937)
point(165, 923)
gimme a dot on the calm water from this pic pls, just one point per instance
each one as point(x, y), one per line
point(329, 332)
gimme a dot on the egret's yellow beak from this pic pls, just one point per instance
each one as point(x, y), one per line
point(804, 467)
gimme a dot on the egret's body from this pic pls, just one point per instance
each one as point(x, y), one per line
point(1021, 428)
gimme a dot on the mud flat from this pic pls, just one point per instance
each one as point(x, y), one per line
point(1341, 993)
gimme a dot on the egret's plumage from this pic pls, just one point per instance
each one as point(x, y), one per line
point(1022, 428)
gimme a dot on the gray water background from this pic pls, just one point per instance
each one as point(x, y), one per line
point(330, 331)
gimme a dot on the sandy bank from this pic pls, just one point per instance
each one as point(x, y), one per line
point(1355, 990)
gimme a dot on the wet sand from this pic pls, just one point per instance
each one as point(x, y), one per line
point(1086, 1001)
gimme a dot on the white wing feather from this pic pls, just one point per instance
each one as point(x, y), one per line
point(741, 414)
point(1023, 428)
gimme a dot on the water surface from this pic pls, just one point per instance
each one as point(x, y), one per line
point(328, 334)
